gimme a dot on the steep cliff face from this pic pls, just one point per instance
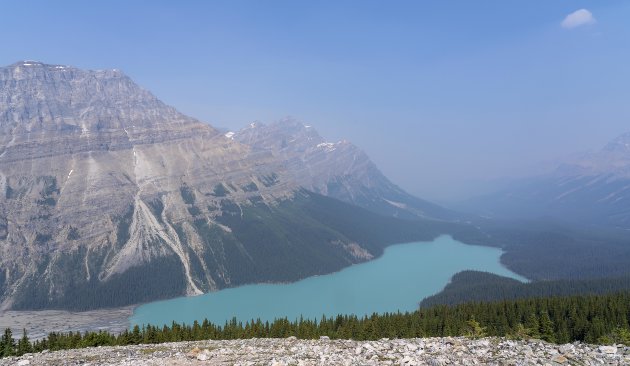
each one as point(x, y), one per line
point(108, 196)
point(336, 169)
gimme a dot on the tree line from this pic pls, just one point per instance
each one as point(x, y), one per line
point(592, 319)
point(468, 286)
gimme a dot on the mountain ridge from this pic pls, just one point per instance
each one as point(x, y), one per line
point(593, 188)
point(111, 197)
point(337, 169)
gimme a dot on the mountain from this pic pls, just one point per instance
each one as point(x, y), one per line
point(590, 189)
point(335, 169)
point(110, 197)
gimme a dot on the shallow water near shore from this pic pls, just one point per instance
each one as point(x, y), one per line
point(396, 281)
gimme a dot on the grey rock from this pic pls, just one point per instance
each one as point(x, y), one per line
point(608, 349)
point(327, 352)
point(566, 348)
point(203, 355)
point(411, 347)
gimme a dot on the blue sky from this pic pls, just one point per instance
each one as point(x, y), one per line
point(441, 94)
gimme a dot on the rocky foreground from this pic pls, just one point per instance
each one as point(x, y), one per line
point(290, 351)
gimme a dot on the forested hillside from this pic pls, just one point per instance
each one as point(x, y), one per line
point(550, 250)
point(470, 286)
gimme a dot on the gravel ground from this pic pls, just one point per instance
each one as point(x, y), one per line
point(290, 351)
point(40, 323)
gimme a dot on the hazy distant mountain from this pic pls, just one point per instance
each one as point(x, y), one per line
point(110, 197)
point(335, 169)
point(591, 189)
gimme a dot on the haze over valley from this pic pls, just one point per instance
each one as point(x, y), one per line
point(350, 172)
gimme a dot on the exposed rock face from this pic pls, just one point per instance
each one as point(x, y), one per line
point(104, 188)
point(591, 189)
point(110, 197)
point(290, 351)
point(340, 170)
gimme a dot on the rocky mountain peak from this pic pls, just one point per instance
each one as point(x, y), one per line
point(93, 166)
point(29, 64)
point(29, 69)
point(33, 65)
point(285, 134)
point(291, 123)
point(336, 169)
point(621, 144)
point(112, 197)
point(102, 109)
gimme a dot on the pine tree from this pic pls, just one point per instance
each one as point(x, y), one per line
point(546, 328)
point(563, 333)
point(24, 345)
point(520, 332)
point(532, 326)
point(136, 338)
point(7, 344)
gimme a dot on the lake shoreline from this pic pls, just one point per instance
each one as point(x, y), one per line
point(39, 323)
point(418, 269)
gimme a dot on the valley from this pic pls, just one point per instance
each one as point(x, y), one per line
point(112, 199)
point(396, 281)
point(315, 183)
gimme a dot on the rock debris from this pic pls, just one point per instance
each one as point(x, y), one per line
point(291, 351)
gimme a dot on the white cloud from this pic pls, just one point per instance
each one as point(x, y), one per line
point(578, 18)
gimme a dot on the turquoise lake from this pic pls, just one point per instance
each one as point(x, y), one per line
point(398, 280)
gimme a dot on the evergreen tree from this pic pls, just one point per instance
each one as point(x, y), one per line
point(136, 338)
point(562, 335)
point(532, 326)
point(7, 344)
point(617, 336)
point(547, 332)
point(24, 345)
point(590, 319)
point(520, 332)
point(475, 330)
